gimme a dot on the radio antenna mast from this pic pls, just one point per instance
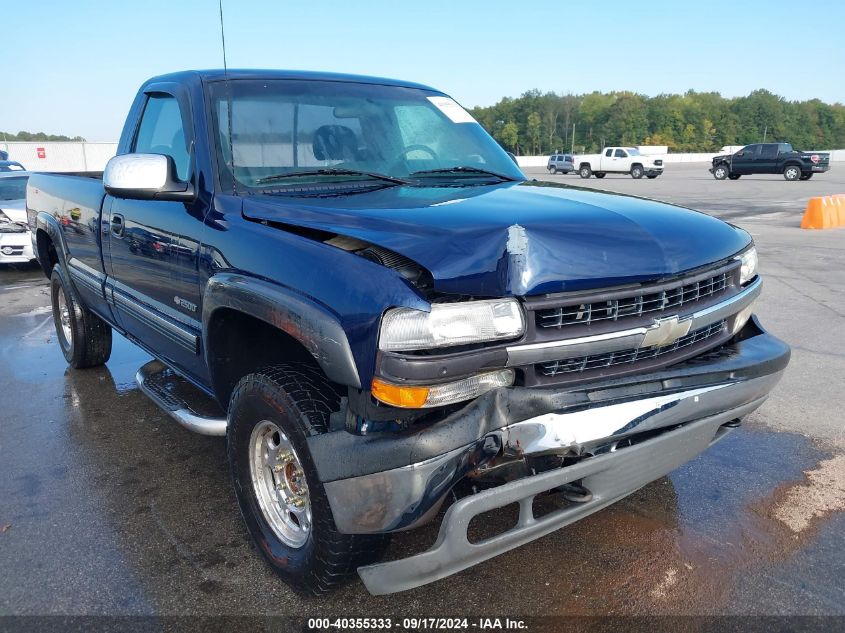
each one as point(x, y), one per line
point(228, 99)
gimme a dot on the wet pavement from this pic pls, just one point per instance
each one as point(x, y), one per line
point(109, 507)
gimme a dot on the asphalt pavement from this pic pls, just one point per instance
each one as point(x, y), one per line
point(107, 507)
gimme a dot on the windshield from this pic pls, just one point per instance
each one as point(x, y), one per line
point(295, 133)
point(13, 188)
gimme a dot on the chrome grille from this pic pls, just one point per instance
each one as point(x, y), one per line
point(637, 304)
point(597, 361)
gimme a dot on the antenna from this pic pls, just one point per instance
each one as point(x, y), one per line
point(228, 101)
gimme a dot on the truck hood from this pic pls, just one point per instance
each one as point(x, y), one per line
point(15, 210)
point(517, 238)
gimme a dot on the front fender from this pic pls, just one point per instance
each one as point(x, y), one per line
point(312, 324)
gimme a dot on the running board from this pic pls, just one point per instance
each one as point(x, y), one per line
point(182, 401)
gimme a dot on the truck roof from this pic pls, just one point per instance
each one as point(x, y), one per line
point(243, 73)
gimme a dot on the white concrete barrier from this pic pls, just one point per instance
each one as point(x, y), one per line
point(60, 156)
point(74, 156)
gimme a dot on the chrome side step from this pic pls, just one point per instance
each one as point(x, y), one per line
point(181, 400)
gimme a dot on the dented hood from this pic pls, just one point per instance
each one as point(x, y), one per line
point(518, 238)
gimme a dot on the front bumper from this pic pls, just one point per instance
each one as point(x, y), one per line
point(387, 482)
point(610, 477)
point(15, 247)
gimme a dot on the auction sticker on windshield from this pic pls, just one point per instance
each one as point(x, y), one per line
point(451, 109)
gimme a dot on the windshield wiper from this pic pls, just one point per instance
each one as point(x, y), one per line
point(332, 171)
point(462, 170)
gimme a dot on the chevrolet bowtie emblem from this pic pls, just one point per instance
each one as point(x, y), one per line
point(666, 331)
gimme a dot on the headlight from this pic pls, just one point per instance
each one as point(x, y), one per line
point(448, 324)
point(748, 270)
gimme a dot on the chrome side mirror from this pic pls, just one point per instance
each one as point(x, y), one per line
point(145, 177)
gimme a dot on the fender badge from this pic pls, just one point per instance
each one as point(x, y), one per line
point(183, 303)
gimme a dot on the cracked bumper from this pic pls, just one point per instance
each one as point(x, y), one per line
point(681, 410)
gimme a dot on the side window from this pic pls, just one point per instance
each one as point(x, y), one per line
point(161, 132)
point(620, 153)
point(752, 151)
point(609, 153)
point(769, 150)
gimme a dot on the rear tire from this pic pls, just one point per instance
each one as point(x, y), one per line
point(721, 171)
point(553, 170)
point(283, 502)
point(85, 339)
point(806, 176)
point(792, 172)
point(637, 172)
point(584, 171)
point(600, 174)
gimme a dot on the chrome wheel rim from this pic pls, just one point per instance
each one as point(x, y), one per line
point(791, 173)
point(278, 481)
point(64, 317)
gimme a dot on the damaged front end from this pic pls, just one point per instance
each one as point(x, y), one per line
point(596, 442)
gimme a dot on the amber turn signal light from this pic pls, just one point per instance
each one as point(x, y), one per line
point(405, 396)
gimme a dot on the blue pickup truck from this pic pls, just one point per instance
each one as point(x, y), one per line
point(354, 284)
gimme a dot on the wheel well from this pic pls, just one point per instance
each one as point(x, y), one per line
point(239, 344)
point(793, 164)
point(580, 165)
point(47, 255)
point(636, 165)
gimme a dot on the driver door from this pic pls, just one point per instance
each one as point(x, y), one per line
point(744, 161)
point(153, 249)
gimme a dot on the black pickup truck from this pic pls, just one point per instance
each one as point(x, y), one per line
point(770, 158)
point(349, 279)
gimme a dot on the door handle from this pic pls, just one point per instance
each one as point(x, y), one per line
point(117, 225)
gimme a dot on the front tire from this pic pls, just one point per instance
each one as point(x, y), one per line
point(637, 172)
point(652, 176)
point(792, 172)
point(584, 171)
point(553, 170)
point(85, 339)
point(283, 502)
point(721, 171)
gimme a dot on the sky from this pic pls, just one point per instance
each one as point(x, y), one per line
point(73, 66)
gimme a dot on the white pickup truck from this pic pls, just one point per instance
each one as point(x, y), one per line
point(618, 160)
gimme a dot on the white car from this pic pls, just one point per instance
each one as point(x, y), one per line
point(15, 236)
point(619, 160)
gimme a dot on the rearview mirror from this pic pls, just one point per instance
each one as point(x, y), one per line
point(145, 177)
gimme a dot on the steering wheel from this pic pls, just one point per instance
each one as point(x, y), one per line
point(421, 148)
